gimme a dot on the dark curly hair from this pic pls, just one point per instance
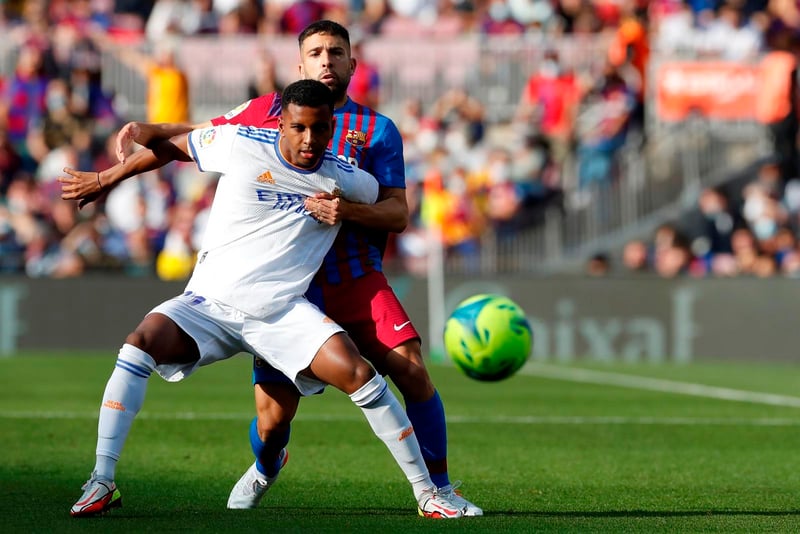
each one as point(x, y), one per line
point(309, 93)
point(325, 27)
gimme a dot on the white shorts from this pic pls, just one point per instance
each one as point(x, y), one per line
point(288, 339)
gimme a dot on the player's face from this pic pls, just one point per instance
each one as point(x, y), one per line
point(305, 134)
point(326, 58)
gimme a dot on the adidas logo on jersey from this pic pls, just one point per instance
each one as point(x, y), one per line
point(265, 178)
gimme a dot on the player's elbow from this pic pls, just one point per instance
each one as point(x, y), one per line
point(396, 222)
point(401, 224)
point(400, 218)
point(173, 149)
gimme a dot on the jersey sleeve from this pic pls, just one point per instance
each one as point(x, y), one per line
point(388, 165)
point(359, 186)
point(262, 111)
point(211, 147)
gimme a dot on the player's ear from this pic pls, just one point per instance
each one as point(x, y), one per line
point(353, 64)
point(301, 71)
point(280, 125)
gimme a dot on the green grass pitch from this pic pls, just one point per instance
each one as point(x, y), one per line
point(612, 448)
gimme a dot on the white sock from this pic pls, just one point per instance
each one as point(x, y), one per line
point(122, 400)
point(390, 423)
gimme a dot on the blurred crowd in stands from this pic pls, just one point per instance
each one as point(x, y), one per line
point(464, 178)
point(747, 227)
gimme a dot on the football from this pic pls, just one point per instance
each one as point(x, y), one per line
point(488, 337)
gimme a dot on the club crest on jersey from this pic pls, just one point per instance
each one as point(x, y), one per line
point(265, 178)
point(235, 111)
point(356, 137)
point(207, 137)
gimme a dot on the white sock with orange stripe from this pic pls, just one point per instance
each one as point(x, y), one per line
point(122, 400)
point(390, 423)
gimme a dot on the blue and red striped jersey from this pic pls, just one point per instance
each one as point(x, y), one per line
point(362, 137)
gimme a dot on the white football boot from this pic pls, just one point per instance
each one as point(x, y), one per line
point(437, 506)
point(99, 495)
point(249, 490)
point(454, 495)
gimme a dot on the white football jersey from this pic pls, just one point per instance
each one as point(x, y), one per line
point(261, 247)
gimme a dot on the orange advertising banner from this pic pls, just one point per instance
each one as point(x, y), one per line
point(717, 90)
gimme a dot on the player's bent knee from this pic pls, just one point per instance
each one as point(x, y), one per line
point(141, 341)
point(411, 370)
point(406, 360)
point(411, 351)
point(370, 392)
point(163, 340)
point(275, 406)
point(267, 424)
point(363, 372)
point(358, 376)
point(273, 417)
point(409, 374)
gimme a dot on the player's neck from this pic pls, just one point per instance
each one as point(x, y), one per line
point(286, 155)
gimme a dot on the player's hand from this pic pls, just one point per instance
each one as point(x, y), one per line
point(125, 138)
point(80, 185)
point(326, 208)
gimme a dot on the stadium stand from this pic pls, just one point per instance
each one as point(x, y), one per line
point(643, 139)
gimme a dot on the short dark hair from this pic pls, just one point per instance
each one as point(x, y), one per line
point(326, 27)
point(310, 93)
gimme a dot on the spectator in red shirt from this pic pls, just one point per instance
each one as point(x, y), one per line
point(365, 85)
point(549, 103)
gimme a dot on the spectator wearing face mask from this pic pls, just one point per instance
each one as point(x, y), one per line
point(710, 226)
point(762, 212)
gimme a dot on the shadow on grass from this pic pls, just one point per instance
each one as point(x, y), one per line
point(289, 511)
point(647, 513)
point(300, 511)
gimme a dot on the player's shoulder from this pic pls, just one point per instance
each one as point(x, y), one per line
point(269, 100)
point(356, 184)
point(265, 100)
point(381, 122)
point(236, 134)
point(263, 105)
point(333, 163)
point(256, 133)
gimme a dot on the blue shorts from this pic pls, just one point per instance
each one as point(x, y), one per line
point(264, 373)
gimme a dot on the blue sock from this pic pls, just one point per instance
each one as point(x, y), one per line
point(430, 427)
point(267, 453)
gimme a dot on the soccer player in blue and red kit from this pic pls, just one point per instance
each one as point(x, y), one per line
point(350, 287)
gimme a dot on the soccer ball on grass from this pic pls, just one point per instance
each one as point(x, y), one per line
point(488, 337)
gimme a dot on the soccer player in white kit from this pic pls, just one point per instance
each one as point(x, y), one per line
point(260, 250)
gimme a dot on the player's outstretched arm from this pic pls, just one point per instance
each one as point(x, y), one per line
point(136, 132)
point(87, 186)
